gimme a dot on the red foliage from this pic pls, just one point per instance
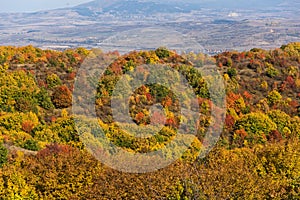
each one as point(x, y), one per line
point(54, 149)
point(261, 56)
point(250, 54)
point(170, 122)
point(148, 96)
point(283, 86)
point(48, 55)
point(139, 116)
point(275, 136)
point(247, 95)
point(42, 83)
point(76, 55)
point(294, 104)
point(6, 138)
point(242, 133)
point(242, 56)
point(210, 103)
point(167, 102)
point(201, 100)
point(32, 72)
point(144, 89)
point(71, 76)
point(290, 80)
point(229, 121)
point(231, 98)
point(62, 97)
point(27, 126)
point(137, 99)
point(53, 119)
point(117, 69)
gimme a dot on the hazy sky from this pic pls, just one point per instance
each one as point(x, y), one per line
point(35, 5)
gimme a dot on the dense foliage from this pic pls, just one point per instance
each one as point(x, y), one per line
point(257, 156)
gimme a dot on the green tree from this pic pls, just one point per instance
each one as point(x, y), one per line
point(3, 155)
point(274, 97)
point(53, 80)
point(257, 127)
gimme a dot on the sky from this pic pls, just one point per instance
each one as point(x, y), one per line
point(36, 5)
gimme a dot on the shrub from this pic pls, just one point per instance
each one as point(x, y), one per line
point(53, 80)
point(27, 126)
point(15, 121)
point(26, 104)
point(62, 97)
point(274, 97)
point(295, 126)
point(3, 155)
point(280, 118)
point(257, 126)
point(31, 144)
point(162, 52)
point(44, 99)
point(271, 71)
point(231, 72)
point(64, 128)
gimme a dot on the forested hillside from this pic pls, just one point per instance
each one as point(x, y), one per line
point(256, 157)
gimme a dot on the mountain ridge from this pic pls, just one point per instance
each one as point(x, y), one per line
point(185, 5)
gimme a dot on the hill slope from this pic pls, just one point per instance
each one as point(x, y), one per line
point(259, 145)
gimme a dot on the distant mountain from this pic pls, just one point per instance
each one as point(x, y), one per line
point(240, 4)
point(147, 7)
point(133, 7)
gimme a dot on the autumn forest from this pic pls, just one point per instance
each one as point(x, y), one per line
point(257, 155)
